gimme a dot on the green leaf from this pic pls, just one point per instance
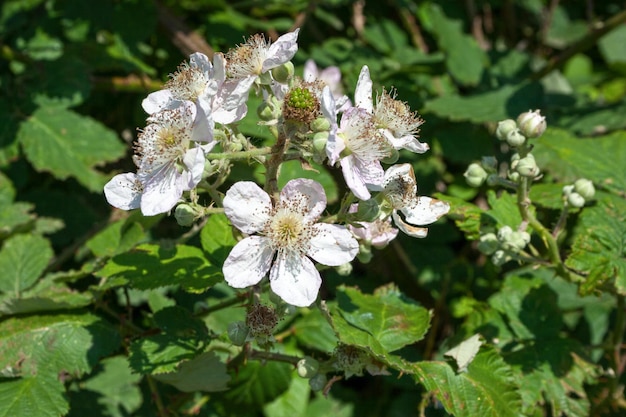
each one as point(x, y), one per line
point(465, 352)
point(611, 47)
point(547, 195)
point(503, 209)
point(119, 394)
point(41, 46)
point(503, 103)
point(292, 402)
point(13, 216)
point(313, 331)
point(50, 345)
point(46, 295)
point(599, 247)
point(464, 58)
point(67, 144)
point(466, 216)
point(257, 384)
point(384, 316)
point(153, 266)
point(183, 337)
point(599, 159)
point(117, 237)
point(41, 396)
point(487, 389)
point(329, 406)
point(217, 238)
point(206, 372)
point(22, 260)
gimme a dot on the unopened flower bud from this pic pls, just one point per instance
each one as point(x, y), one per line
point(238, 332)
point(319, 141)
point(585, 188)
point(513, 176)
point(283, 73)
point(515, 138)
point(489, 163)
point(576, 200)
point(504, 232)
point(532, 124)
point(504, 128)
point(266, 112)
point(368, 210)
point(527, 167)
point(307, 367)
point(567, 190)
point(365, 253)
point(499, 257)
point(318, 382)
point(493, 180)
point(344, 269)
point(488, 244)
point(321, 124)
point(185, 214)
point(475, 175)
point(517, 241)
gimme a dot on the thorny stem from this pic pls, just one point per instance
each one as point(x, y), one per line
point(278, 357)
point(240, 154)
point(271, 166)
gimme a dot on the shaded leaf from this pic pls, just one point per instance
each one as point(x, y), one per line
point(41, 396)
point(22, 260)
point(206, 372)
point(67, 144)
point(217, 238)
point(259, 383)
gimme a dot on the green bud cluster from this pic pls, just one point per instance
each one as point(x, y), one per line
point(577, 194)
point(503, 244)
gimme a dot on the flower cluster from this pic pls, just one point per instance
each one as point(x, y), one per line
point(191, 140)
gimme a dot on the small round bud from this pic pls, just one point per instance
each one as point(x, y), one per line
point(488, 244)
point(344, 270)
point(499, 257)
point(185, 214)
point(321, 124)
point(527, 167)
point(238, 332)
point(576, 200)
point(365, 253)
point(585, 188)
point(266, 112)
point(532, 124)
point(318, 382)
point(515, 138)
point(504, 232)
point(517, 241)
point(567, 190)
point(265, 78)
point(513, 176)
point(307, 367)
point(475, 175)
point(319, 141)
point(283, 73)
point(489, 163)
point(504, 128)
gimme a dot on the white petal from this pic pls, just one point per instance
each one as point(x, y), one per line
point(194, 160)
point(293, 278)
point(408, 142)
point(331, 76)
point(426, 211)
point(162, 190)
point(363, 92)
point(305, 196)
point(332, 245)
point(247, 206)
point(160, 100)
point(353, 179)
point(124, 191)
point(281, 51)
point(248, 262)
point(412, 231)
point(310, 71)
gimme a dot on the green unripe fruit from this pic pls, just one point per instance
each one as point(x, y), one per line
point(238, 332)
point(318, 382)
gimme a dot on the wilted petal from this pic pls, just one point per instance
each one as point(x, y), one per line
point(293, 278)
point(248, 262)
point(247, 206)
point(332, 245)
point(304, 196)
point(410, 230)
point(124, 191)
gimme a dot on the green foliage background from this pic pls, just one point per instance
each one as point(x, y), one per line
point(105, 313)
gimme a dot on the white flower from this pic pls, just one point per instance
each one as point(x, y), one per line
point(169, 162)
point(331, 76)
point(258, 55)
point(283, 238)
point(400, 189)
point(205, 85)
point(357, 145)
point(395, 119)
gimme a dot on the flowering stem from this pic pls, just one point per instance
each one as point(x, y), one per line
point(560, 224)
point(271, 166)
